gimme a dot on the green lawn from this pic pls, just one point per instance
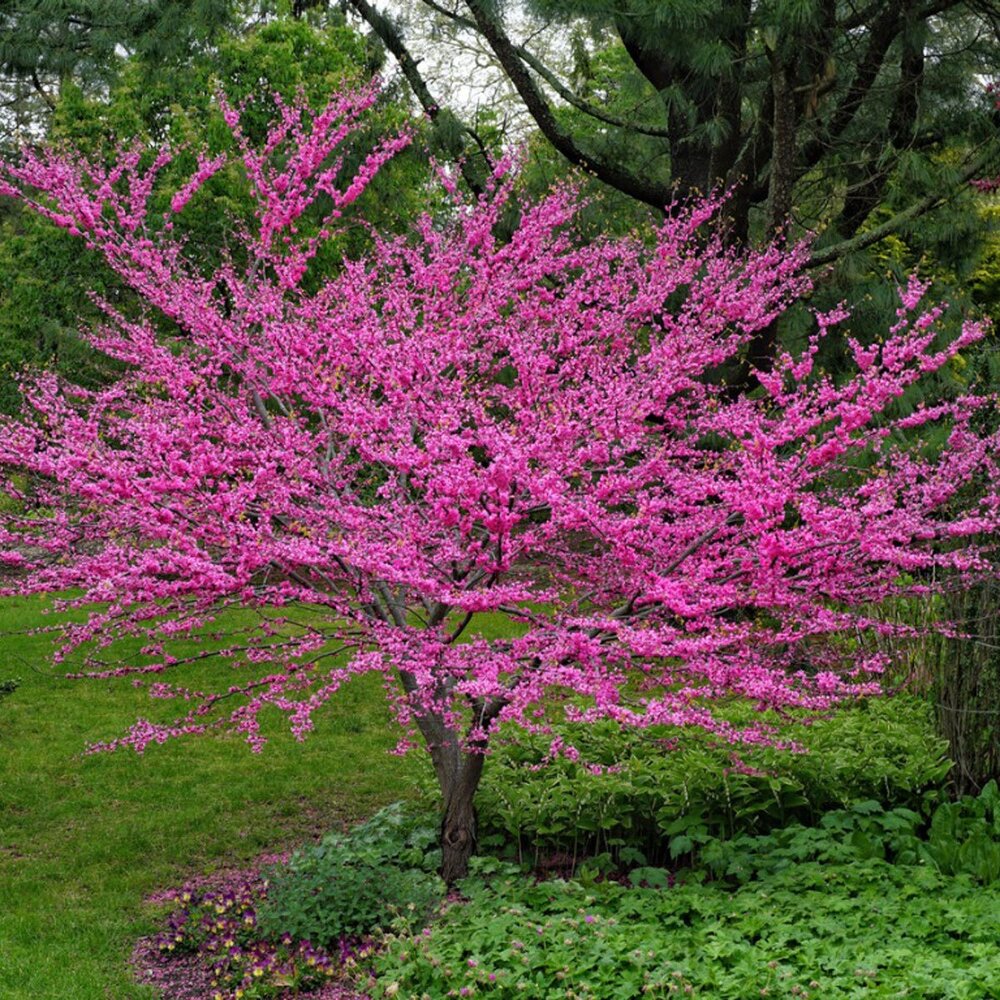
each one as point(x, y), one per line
point(85, 838)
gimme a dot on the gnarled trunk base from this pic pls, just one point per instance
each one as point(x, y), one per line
point(458, 776)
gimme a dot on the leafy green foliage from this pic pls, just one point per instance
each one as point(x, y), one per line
point(962, 838)
point(866, 928)
point(42, 270)
point(870, 902)
point(56, 39)
point(44, 273)
point(965, 836)
point(351, 883)
point(985, 280)
point(665, 792)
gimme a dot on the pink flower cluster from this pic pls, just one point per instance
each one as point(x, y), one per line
point(457, 426)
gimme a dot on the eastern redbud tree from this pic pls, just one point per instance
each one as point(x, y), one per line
point(456, 426)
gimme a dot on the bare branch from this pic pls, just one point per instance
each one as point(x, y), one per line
point(393, 41)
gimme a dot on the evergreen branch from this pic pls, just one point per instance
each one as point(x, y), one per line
point(533, 62)
point(900, 219)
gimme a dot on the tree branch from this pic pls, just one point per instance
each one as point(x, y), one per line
point(883, 30)
point(900, 219)
point(393, 41)
point(538, 107)
point(42, 92)
point(532, 61)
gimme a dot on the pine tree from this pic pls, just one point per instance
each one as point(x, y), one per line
point(48, 43)
point(818, 114)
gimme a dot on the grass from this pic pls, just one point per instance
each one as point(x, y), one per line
point(85, 838)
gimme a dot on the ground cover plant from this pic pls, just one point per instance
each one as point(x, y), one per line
point(955, 838)
point(459, 425)
point(862, 929)
point(869, 902)
point(345, 886)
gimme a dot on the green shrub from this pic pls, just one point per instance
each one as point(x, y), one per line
point(961, 838)
point(668, 791)
point(351, 883)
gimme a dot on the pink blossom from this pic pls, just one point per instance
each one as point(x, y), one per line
point(454, 427)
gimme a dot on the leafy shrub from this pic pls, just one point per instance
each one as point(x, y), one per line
point(661, 793)
point(965, 836)
point(305, 924)
point(351, 883)
point(866, 928)
point(961, 838)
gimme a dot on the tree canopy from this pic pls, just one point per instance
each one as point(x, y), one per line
point(454, 428)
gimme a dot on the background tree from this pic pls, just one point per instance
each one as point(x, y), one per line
point(46, 44)
point(44, 277)
point(818, 113)
point(456, 431)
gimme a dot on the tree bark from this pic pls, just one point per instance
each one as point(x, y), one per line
point(459, 780)
point(868, 181)
point(458, 764)
point(782, 179)
point(689, 159)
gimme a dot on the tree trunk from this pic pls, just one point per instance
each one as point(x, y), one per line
point(458, 764)
point(458, 821)
point(458, 772)
point(782, 179)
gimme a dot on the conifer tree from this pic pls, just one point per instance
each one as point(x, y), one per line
point(852, 118)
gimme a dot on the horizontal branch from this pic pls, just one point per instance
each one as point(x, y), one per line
point(900, 219)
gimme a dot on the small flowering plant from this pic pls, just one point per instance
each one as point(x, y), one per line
point(304, 923)
point(217, 925)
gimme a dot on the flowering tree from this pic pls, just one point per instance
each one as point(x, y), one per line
point(456, 426)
